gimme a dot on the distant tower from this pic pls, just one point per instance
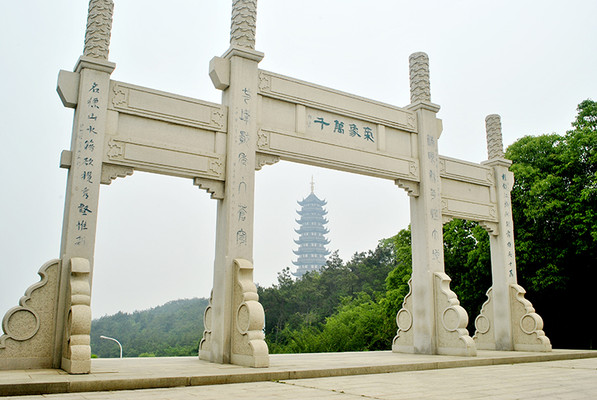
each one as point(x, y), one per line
point(311, 252)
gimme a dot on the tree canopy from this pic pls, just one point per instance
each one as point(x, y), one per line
point(554, 202)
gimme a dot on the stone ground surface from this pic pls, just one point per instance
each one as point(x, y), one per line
point(563, 379)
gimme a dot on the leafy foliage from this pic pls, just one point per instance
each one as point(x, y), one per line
point(173, 329)
point(555, 224)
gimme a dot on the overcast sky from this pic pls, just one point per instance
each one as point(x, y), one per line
point(531, 62)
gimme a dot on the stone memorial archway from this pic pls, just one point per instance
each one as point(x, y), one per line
point(266, 117)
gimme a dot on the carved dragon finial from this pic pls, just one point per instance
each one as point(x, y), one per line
point(243, 26)
point(493, 127)
point(99, 27)
point(419, 78)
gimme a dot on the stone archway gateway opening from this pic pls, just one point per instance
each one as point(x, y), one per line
point(266, 117)
point(140, 225)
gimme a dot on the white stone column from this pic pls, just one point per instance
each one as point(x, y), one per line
point(235, 317)
point(507, 320)
point(431, 321)
point(503, 260)
point(72, 352)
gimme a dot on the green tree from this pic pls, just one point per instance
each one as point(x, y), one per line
point(554, 203)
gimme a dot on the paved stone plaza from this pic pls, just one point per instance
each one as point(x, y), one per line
point(367, 375)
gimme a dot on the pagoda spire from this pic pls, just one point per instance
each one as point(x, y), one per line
point(312, 252)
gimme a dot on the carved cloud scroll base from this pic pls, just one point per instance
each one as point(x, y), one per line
point(248, 347)
point(450, 320)
point(28, 339)
point(76, 358)
point(527, 325)
point(404, 340)
point(248, 340)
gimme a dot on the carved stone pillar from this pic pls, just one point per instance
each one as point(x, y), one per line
point(233, 336)
point(507, 320)
point(82, 191)
point(431, 321)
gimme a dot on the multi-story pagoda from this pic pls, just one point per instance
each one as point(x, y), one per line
point(312, 251)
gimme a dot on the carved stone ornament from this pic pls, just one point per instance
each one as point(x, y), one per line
point(491, 227)
point(28, 339)
point(99, 27)
point(411, 187)
point(527, 325)
point(484, 330)
point(213, 187)
point(419, 78)
point(404, 340)
point(248, 344)
point(76, 358)
point(451, 320)
point(265, 159)
point(115, 150)
point(120, 98)
point(113, 171)
point(263, 140)
point(493, 127)
point(216, 165)
point(243, 26)
point(217, 117)
point(410, 121)
point(413, 169)
point(205, 343)
point(442, 165)
point(265, 83)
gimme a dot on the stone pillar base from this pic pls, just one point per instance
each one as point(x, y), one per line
point(451, 336)
point(526, 325)
point(248, 347)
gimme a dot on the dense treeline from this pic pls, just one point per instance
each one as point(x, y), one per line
point(173, 329)
point(554, 204)
point(351, 306)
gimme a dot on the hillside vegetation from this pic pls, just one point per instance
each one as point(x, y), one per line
point(173, 329)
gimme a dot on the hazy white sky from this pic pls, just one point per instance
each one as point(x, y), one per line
point(531, 62)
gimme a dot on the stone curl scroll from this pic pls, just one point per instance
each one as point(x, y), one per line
point(527, 325)
point(205, 346)
point(493, 127)
point(248, 340)
point(404, 340)
point(28, 339)
point(451, 320)
point(243, 26)
point(99, 27)
point(420, 89)
point(77, 351)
